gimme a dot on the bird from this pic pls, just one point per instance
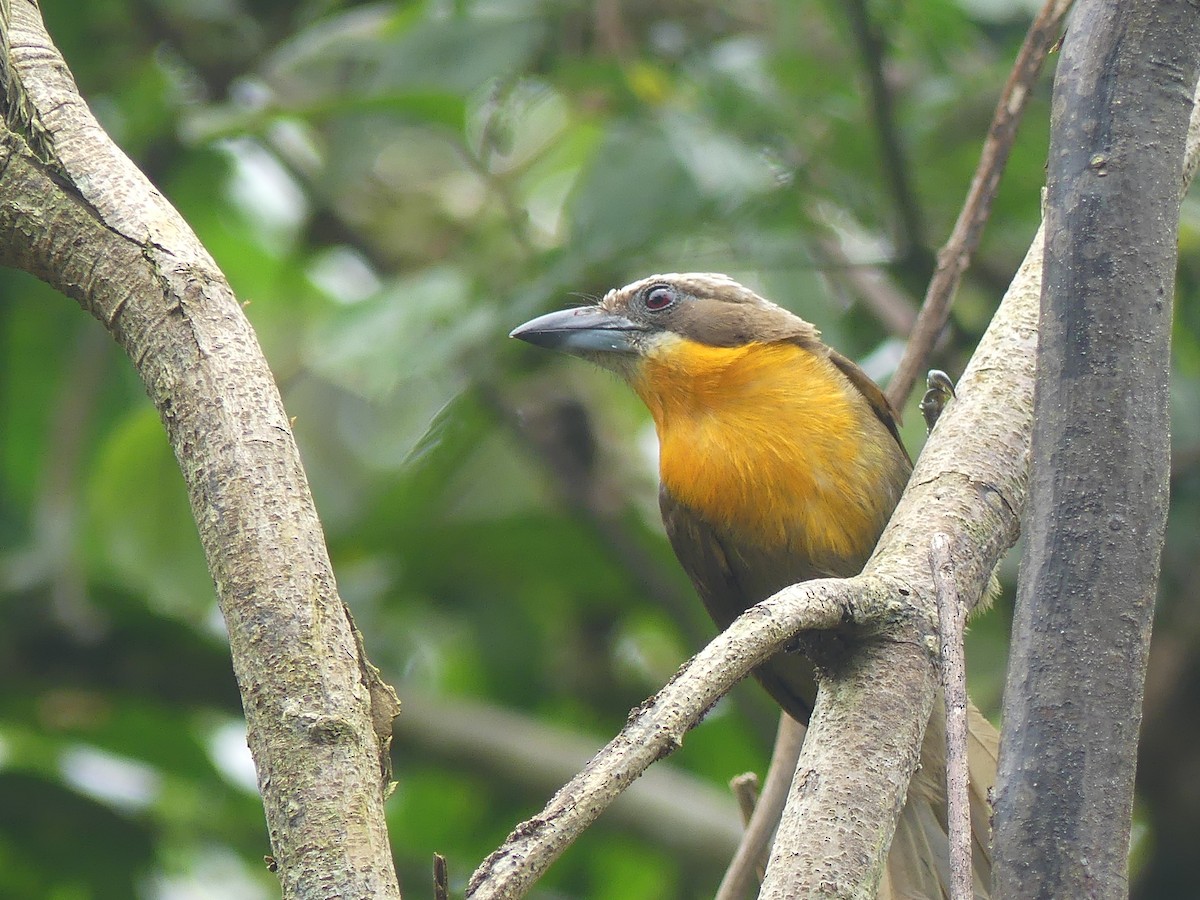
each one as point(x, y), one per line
point(780, 461)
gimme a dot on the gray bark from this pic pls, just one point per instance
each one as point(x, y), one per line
point(76, 212)
point(1100, 459)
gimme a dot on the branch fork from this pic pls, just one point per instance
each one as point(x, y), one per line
point(658, 727)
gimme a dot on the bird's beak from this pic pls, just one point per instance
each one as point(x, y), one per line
point(582, 332)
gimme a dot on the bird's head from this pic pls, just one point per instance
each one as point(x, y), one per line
point(756, 418)
point(659, 314)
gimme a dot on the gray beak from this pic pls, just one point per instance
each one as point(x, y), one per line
point(582, 331)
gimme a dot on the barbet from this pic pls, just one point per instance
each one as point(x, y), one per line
point(780, 461)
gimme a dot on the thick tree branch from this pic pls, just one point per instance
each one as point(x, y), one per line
point(1101, 450)
point(75, 212)
point(870, 717)
point(955, 256)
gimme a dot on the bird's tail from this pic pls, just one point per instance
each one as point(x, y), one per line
point(918, 866)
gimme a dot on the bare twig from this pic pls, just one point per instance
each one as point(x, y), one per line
point(657, 728)
point(873, 52)
point(955, 256)
point(744, 788)
point(951, 615)
point(749, 863)
point(441, 878)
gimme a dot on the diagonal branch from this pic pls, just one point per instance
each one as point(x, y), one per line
point(76, 212)
point(955, 256)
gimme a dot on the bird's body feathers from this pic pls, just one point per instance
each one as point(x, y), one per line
point(780, 461)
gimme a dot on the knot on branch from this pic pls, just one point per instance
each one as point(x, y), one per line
point(875, 604)
point(330, 730)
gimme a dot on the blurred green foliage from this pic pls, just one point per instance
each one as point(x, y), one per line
point(390, 188)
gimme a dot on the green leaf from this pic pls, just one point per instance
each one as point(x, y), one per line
point(635, 190)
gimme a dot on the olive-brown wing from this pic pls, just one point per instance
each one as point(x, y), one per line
point(730, 578)
point(875, 399)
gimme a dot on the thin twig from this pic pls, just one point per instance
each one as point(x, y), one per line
point(748, 866)
point(954, 686)
point(955, 256)
point(744, 788)
point(441, 878)
point(872, 51)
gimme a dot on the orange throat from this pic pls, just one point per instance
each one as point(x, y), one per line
point(771, 444)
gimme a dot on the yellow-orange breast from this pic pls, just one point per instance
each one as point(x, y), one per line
point(772, 444)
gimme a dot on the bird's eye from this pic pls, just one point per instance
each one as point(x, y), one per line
point(659, 297)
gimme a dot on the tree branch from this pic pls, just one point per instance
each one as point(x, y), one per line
point(1101, 450)
point(75, 212)
point(951, 616)
point(872, 52)
point(745, 871)
point(955, 256)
